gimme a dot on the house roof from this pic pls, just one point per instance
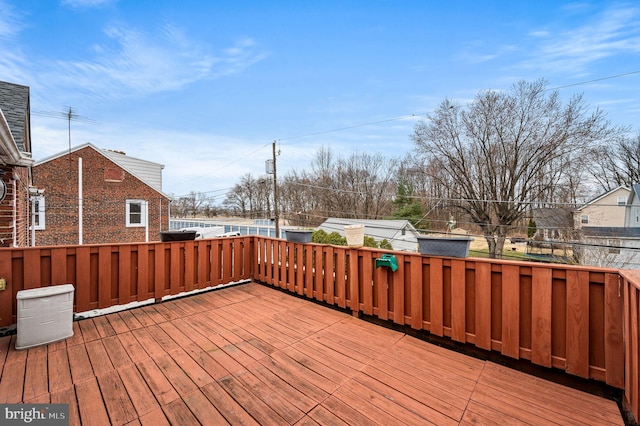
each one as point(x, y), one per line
point(144, 170)
point(553, 218)
point(635, 191)
point(378, 229)
point(14, 103)
point(601, 196)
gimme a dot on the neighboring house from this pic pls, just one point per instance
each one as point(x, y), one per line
point(610, 228)
point(16, 162)
point(89, 195)
point(607, 210)
point(553, 224)
point(400, 233)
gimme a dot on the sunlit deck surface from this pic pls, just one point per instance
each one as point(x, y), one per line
point(250, 354)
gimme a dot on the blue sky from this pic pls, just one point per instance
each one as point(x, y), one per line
point(205, 87)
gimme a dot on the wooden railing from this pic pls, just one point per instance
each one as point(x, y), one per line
point(118, 274)
point(558, 316)
point(583, 320)
point(632, 341)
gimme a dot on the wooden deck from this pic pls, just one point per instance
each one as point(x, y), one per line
point(253, 355)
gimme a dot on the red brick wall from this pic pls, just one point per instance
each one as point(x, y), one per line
point(106, 187)
point(16, 180)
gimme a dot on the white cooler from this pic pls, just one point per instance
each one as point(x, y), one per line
point(45, 315)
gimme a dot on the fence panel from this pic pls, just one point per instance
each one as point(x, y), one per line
point(111, 274)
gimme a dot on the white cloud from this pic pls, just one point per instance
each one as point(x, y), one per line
point(615, 31)
point(10, 22)
point(85, 3)
point(140, 64)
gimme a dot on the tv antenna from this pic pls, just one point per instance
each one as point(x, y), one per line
point(68, 114)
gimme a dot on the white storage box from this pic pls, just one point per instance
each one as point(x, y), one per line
point(45, 315)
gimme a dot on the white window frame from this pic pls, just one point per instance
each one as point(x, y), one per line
point(622, 201)
point(143, 214)
point(584, 219)
point(38, 200)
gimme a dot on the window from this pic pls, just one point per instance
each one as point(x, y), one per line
point(622, 201)
point(37, 212)
point(136, 213)
point(585, 218)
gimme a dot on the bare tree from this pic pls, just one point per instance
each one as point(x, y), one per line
point(506, 150)
point(188, 205)
point(618, 163)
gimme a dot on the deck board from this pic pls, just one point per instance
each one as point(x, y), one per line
point(253, 355)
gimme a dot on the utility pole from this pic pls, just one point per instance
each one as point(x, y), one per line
point(275, 193)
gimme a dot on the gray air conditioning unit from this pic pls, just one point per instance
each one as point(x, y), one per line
point(45, 315)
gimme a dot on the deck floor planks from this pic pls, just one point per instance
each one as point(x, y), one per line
point(220, 356)
point(141, 395)
point(130, 320)
point(282, 387)
point(116, 398)
point(80, 364)
point(77, 338)
point(59, 370)
point(157, 382)
point(426, 373)
point(541, 391)
point(345, 412)
point(196, 373)
point(219, 337)
point(5, 345)
point(145, 315)
point(36, 379)
point(278, 403)
point(201, 357)
point(118, 324)
point(329, 356)
point(178, 413)
point(398, 395)
point(203, 409)
point(322, 416)
point(297, 377)
point(441, 400)
point(116, 352)
point(12, 383)
point(103, 325)
point(132, 347)
point(90, 404)
point(479, 414)
point(250, 354)
point(150, 315)
point(178, 378)
point(67, 396)
point(99, 358)
point(89, 330)
point(247, 344)
point(544, 396)
point(154, 418)
point(233, 412)
point(148, 343)
point(257, 408)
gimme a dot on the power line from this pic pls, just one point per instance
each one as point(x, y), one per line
point(339, 129)
point(594, 80)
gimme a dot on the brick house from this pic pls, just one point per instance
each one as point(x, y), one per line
point(89, 195)
point(15, 164)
